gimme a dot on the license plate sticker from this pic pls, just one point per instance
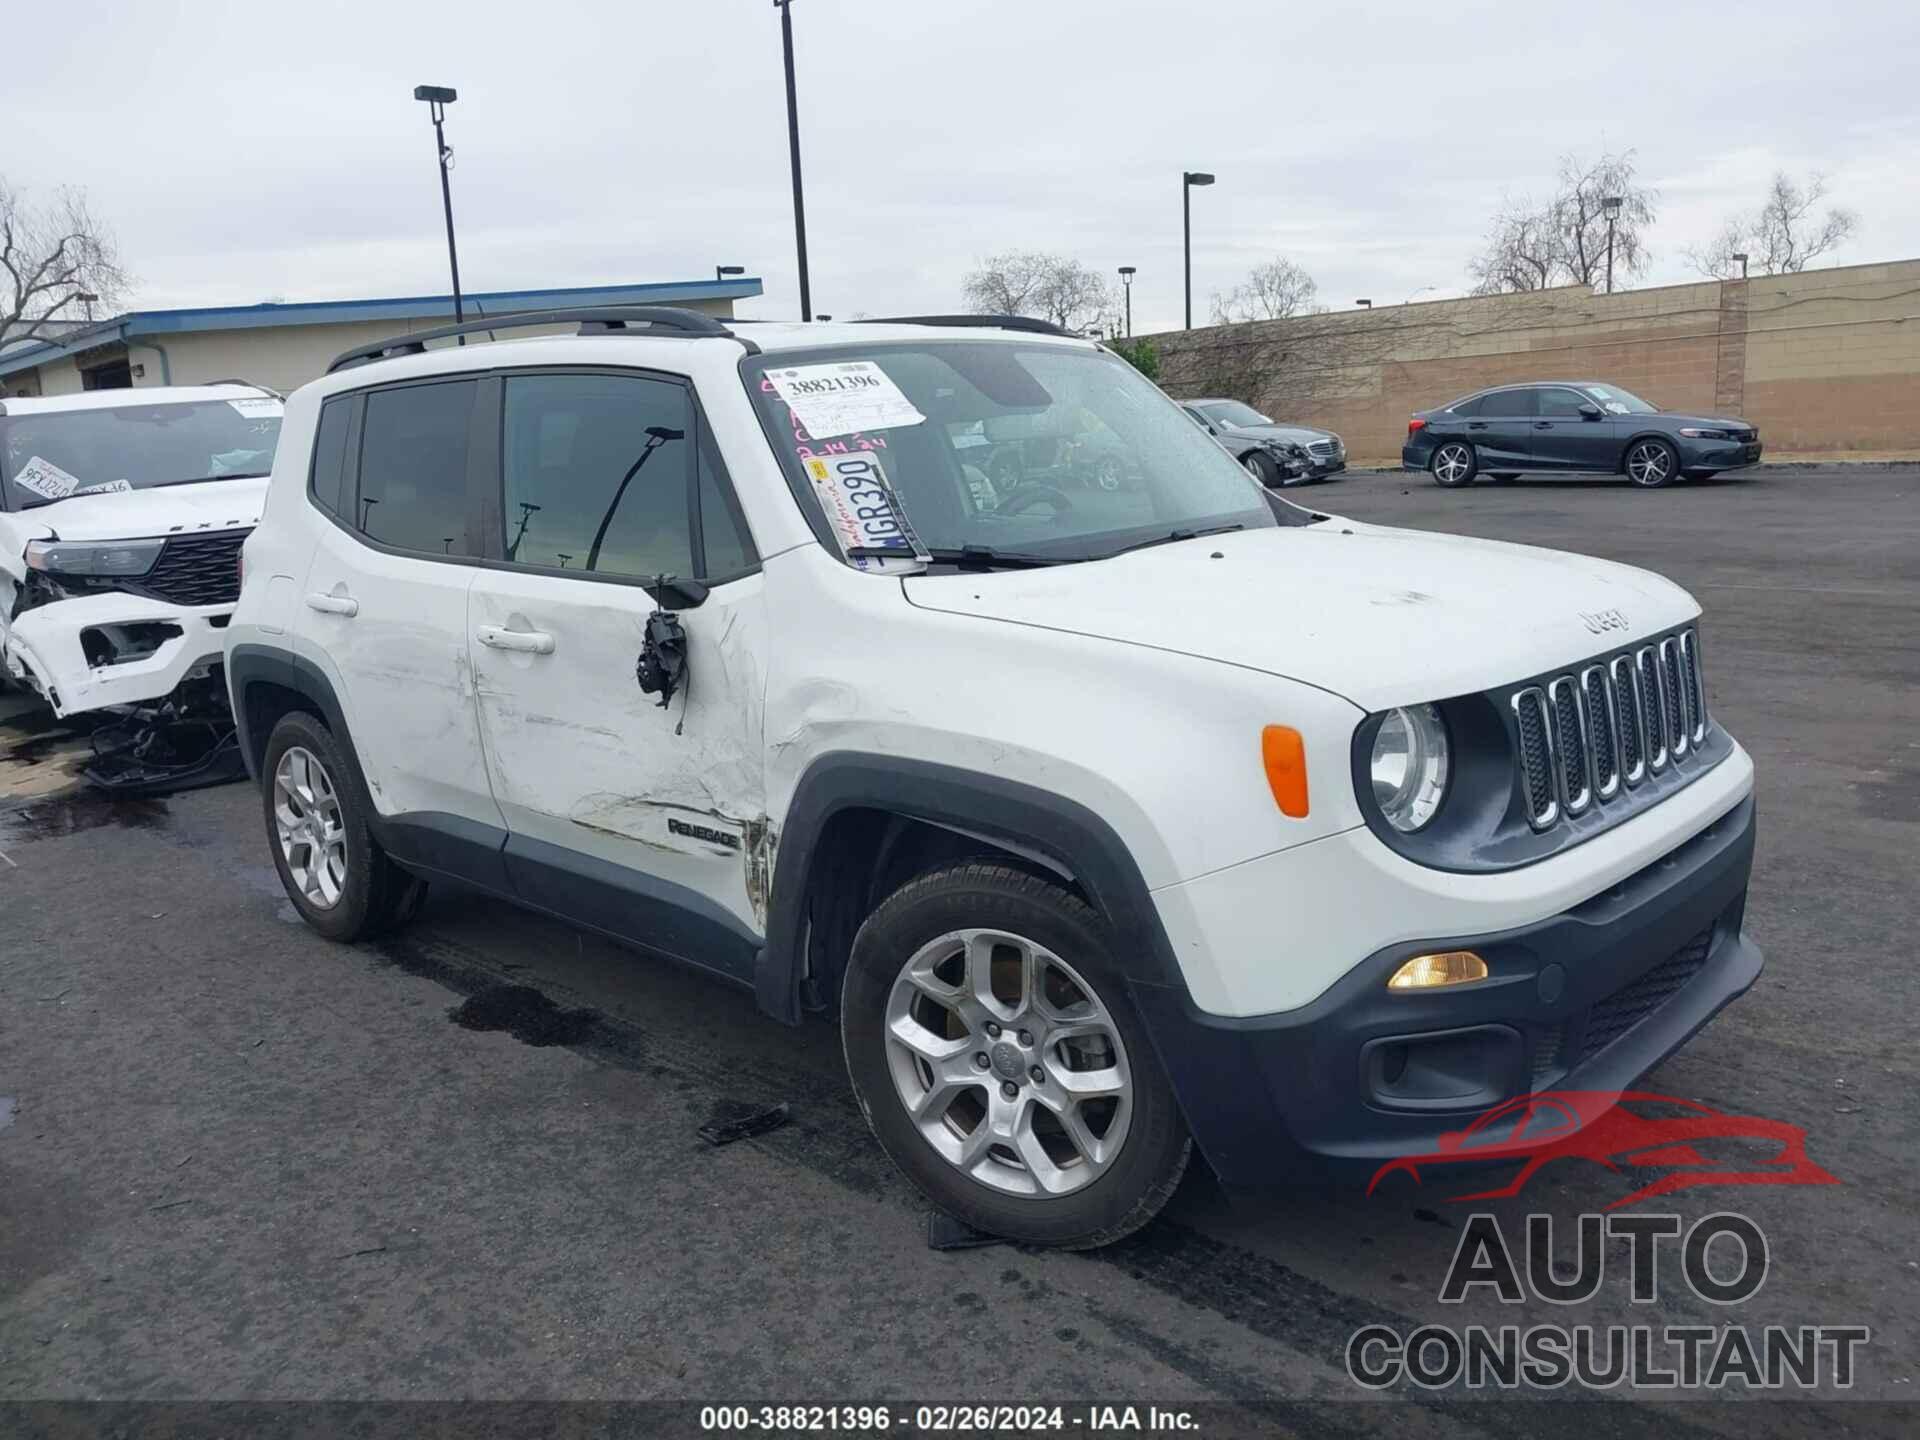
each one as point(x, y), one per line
point(843, 399)
point(865, 515)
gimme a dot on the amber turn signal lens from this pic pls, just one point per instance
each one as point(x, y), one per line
point(1449, 967)
point(1285, 756)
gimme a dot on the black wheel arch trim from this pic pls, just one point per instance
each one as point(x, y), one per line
point(1060, 833)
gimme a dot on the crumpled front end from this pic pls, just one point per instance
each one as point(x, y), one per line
point(95, 651)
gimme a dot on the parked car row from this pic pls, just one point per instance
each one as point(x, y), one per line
point(726, 642)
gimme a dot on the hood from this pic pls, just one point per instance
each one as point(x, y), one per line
point(1296, 434)
point(1383, 617)
point(169, 510)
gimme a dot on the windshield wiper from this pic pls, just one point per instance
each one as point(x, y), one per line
point(1171, 536)
point(985, 557)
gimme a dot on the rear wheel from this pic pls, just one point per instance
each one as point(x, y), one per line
point(1454, 464)
point(1000, 1064)
point(335, 873)
point(1651, 463)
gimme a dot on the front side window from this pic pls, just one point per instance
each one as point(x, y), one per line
point(413, 467)
point(1562, 404)
point(1232, 412)
point(1616, 401)
point(602, 474)
point(1054, 452)
point(48, 456)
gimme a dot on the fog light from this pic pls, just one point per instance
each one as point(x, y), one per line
point(1449, 967)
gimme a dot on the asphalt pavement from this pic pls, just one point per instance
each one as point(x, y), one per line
point(238, 1162)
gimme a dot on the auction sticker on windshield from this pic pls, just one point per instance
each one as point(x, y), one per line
point(256, 406)
point(843, 398)
point(46, 479)
point(867, 521)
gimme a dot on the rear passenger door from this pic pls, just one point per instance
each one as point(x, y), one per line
point(648, 822)
point(383, 608)
point(1503, 430)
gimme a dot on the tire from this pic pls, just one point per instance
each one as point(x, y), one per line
point(1454, 464)
point(335, 873)
point(1651, 464)
point(1261, 467)
point(1054, 954)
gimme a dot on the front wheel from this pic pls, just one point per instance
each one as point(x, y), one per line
point(1000, 1064)
point(1454, 464)
point(1261, 467)
point(1651, 464)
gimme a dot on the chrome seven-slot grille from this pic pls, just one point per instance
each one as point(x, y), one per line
point(1588, 734)
point(1322, 448)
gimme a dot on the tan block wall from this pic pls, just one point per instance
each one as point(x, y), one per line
point(1827, 362)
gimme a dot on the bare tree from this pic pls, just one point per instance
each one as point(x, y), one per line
point(1783, 237)
point(1272, 291)
point(1049, 287)
point(1564, 242)
point(51, 255)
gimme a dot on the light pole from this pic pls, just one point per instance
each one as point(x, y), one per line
point(1364, 304)
point(720, 272)
point(88, 298)
point(1739, 255)
point(1189, 179)
point(1611, 204)
point(1126, 284)
point(438, 97)
point(793, 147)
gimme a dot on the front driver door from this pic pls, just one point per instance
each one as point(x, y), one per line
point(1566, 437)
point(645, 822)
point(1502, 433)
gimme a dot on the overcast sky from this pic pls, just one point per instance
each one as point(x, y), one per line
point(272, 150)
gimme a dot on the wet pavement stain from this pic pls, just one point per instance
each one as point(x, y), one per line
point(77, 812)
point(525, 1014)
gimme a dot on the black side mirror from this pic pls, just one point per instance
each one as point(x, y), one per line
point(1590, 412)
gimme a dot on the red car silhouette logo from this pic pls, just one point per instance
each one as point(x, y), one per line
point(1626, 1131)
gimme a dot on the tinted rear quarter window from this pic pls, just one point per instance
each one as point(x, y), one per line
point(330, 453)
point(413, 467)
point(1467, 407)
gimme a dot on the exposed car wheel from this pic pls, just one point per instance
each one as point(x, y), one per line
point(1454, 464)
point(1261, 467)
point(1651, 463)
point(336, 874)
point(993, 1048)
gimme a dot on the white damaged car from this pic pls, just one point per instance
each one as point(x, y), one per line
point(122, 513)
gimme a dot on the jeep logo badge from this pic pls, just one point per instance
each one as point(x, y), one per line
point(1601, 621)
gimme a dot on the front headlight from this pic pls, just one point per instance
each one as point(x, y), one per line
point(116, 557)
point(1695, 434)
point(1409, 766)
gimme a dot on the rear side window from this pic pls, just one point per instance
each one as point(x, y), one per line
point(330, 454)
point(1468, 407)
point(1511, 403)
point(413, 468)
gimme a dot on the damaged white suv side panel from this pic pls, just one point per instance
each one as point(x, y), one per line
point(121, 517)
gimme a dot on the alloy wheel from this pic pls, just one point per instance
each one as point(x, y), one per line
point(1009, 1065)
point(310, 828)
point(1649, 463)
point(1452, 464)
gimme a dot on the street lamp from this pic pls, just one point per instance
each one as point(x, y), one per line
point(1739, 255)
point(438, 97)
point(1611, 204)
point(1126, 284)
point(1364, 304)
point(793, 147)
point(1189, 179)
point(720, 272)
point(88, 299)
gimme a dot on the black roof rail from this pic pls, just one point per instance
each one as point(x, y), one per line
point(592, 320)
point(993, 322)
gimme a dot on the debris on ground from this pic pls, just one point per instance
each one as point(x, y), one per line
point(944, 1232)
point(733, 1121)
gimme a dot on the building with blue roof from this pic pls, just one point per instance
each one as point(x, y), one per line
point(283, 346)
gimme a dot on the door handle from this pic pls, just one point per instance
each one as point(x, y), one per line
point(1543, 424)
point(532, 642)
point(333, 604)
point(1476, 425)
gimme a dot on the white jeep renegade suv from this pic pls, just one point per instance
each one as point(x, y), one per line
point(1107, 822)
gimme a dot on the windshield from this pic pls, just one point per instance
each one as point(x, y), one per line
point(1616, 401)
point(1232, 412)
point(1017, 448)
point(48, 457)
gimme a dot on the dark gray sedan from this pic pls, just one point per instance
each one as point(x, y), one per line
point(1277, 454)
point(1572, 425)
